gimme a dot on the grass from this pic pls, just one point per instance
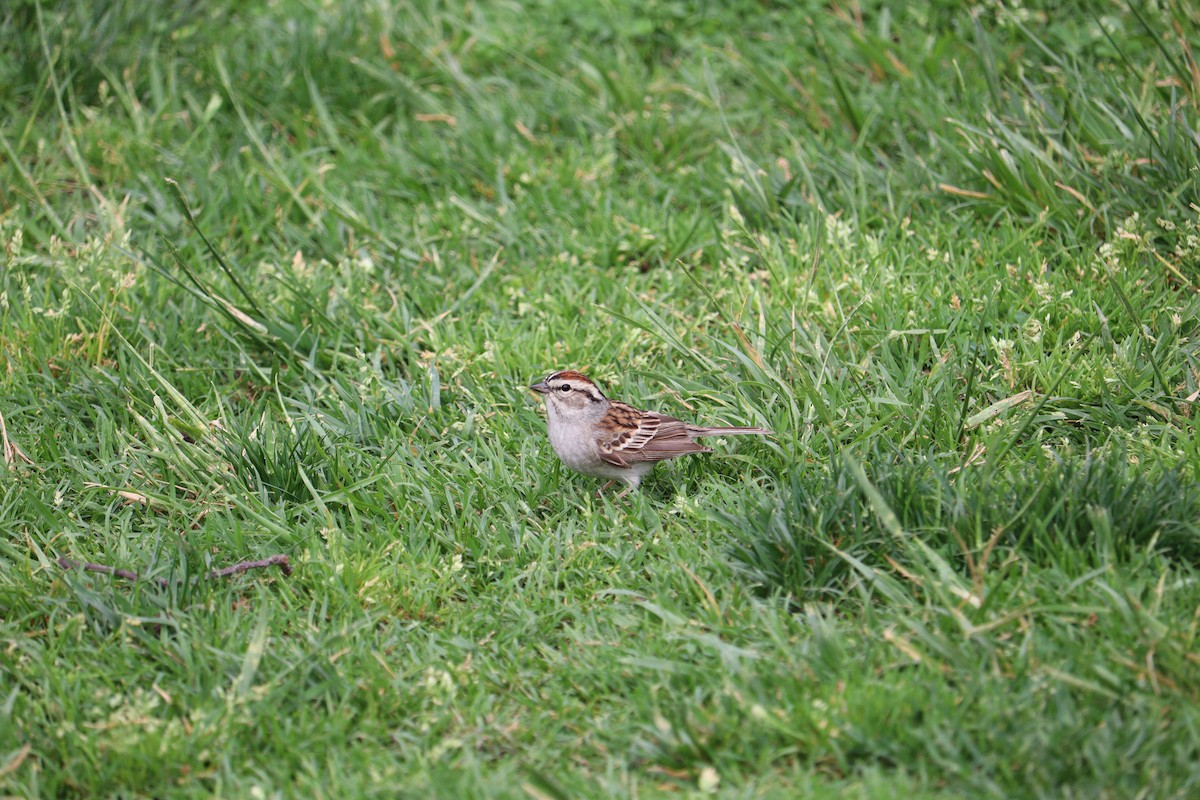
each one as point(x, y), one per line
point(275, 276)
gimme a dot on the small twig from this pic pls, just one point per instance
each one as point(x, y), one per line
point(242, 566)
point(68, 563)
point(284, 566)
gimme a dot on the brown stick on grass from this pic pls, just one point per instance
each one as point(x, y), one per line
point(242, 566)
point(284, 566)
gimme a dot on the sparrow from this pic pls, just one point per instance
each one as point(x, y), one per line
point(606, 438)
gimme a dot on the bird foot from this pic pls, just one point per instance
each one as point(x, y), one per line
point(619, 495)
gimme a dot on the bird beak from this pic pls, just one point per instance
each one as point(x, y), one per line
point(540, 388)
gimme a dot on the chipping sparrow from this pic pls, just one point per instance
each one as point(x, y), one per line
point(609, 439)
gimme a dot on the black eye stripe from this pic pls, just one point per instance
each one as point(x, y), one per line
point(590, 392)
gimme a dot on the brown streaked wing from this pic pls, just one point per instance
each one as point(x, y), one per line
point(646, 436)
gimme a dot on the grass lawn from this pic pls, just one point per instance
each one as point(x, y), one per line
point(275, 276)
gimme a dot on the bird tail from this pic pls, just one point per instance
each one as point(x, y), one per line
point(696, 430)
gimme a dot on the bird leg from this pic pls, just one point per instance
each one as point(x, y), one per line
point(600, 491)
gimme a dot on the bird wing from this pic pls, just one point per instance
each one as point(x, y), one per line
point(645, 436)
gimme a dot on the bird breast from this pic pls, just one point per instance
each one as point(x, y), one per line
point(577, 449)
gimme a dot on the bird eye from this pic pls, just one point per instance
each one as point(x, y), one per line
point(564, 388)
